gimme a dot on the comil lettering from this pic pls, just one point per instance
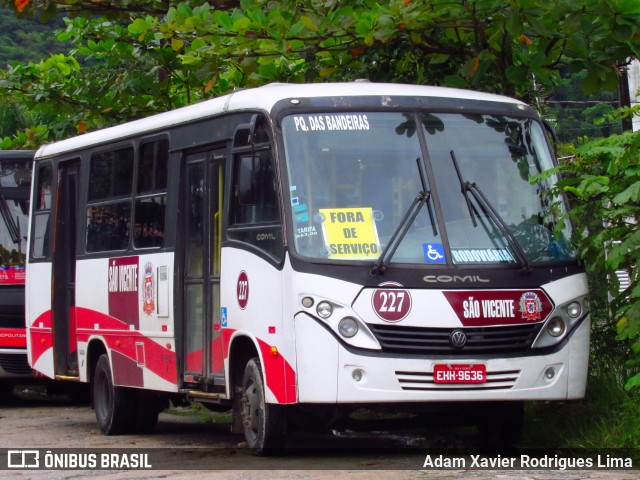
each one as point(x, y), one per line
point(123, 278)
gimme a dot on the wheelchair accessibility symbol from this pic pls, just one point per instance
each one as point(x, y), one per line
point(434, 253)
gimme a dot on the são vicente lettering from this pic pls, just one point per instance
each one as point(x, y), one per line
point(123, 278)
point(488, 308)
point(482, 308)
point(123, 284)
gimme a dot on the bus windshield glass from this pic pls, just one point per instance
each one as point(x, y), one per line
point(15, 178)
point(354, 176)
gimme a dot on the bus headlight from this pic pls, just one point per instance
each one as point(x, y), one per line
point(348, 327)
point(324, 310)
point(555, 327)
point(563, 319)
point(574, 309)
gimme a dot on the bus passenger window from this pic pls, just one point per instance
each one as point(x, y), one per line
point(151, 195)
point(41, 225)
point(108, 227)
point(43, 200)
point(111, 174)
point(109, 206)
point(255, 196)
point(148, 230)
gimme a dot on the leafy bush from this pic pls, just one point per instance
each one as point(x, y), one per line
point(603, 181)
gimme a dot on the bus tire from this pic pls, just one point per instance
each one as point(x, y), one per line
point(114, 406)
point(264, 424)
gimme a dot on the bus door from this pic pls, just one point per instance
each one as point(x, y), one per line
point(64, 270)
point(204, 180)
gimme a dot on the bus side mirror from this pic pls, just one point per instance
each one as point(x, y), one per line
point(248, 186)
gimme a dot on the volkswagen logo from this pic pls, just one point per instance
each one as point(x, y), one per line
point(458, 339)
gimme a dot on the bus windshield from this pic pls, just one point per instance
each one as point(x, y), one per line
point(354, 176)
point(15, 178)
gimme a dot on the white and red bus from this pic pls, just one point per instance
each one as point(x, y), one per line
point(308, 248)
point(15, 183)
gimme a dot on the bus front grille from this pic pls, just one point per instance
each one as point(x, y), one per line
point(423, 381)
point(436, 341)
point(15, 363)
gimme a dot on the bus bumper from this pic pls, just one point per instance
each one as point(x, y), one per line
point(329, 373)
point(14, 365)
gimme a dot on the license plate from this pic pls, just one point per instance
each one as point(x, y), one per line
point(459, 373)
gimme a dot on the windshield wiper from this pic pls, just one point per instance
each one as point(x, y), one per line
point(423, 181)
point(488, 209)
point(14, 230)
point(403, 227)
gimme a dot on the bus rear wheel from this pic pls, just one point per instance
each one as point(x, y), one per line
point(264, 424)
point(114, 406)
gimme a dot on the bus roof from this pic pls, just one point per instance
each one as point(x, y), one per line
point(261, 98)
point(17, 154)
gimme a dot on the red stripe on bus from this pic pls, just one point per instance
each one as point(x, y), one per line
point(119, 338)
point(13, 338)
point(280, 377)
point(40, 335)
point(126, 371)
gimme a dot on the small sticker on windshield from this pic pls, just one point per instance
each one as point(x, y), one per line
point(335, 122)
point(482, 255)
point(434, 253)
point(301, 214)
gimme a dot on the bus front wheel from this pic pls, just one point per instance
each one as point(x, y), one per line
point(114, 406)
point(264, 424)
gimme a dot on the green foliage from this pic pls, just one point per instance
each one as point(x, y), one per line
point(574, 114)
point(606, 419)
point(140, 57)
point(26, 40)
point(604, 182)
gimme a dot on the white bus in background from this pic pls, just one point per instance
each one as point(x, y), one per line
point(293, 251)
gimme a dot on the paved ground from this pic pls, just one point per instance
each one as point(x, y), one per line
point(190, 447)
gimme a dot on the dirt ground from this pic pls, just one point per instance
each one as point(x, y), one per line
point(186, 446)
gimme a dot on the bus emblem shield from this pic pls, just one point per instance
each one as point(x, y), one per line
point(530, 306)
point(148, 306)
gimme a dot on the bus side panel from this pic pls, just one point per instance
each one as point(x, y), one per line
point(39, 320)
point(562, 291)
point(317, 361)
point(579, 361)
point(124, 303)
point(251, 294)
